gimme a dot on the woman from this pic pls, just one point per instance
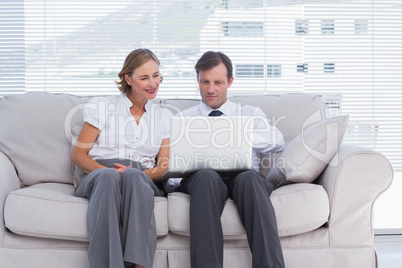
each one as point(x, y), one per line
point(118, 131)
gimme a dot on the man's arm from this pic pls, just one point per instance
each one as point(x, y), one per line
point(266, 138)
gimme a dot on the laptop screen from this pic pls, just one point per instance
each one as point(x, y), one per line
point(219, 143)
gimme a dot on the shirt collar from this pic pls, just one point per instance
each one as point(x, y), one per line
point(205, 109)
point(147, 106)
point(127, 102)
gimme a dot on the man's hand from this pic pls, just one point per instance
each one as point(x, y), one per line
point(120, 168)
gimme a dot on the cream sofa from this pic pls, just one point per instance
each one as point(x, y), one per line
point(326, 223)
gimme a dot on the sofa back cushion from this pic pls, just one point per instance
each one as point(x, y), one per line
point(287, 112)
point(35, 134)
point(38, 130)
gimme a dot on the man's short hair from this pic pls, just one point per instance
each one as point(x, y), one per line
point(211, 59)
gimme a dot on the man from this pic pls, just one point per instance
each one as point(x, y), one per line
point(249, 189)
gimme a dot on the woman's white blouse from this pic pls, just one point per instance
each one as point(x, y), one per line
point(120, 137)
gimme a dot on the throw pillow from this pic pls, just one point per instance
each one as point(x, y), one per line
point(307, 155)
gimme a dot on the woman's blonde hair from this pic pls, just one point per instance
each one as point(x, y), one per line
point(135, 59)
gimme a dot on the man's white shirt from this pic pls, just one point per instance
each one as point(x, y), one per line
point(266, 138)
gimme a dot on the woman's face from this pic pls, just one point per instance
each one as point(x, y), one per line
point(145, 80)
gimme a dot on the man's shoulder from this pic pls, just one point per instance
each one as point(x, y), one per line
point(192, 111)
point(250, 110)
point(162, 112)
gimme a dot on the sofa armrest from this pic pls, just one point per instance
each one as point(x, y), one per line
point(9, 181)
point(354, 179)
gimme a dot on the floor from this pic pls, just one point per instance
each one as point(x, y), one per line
point(389, 251)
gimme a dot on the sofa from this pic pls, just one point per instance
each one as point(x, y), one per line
point(326, 221)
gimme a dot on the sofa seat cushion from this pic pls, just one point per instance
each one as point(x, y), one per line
point(50, 210)
point(299, 208)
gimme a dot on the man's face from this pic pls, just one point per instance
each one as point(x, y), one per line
point(214, 86)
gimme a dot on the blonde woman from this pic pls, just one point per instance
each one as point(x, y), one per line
point(123, 150)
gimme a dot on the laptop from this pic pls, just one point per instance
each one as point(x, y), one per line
point(220, 143)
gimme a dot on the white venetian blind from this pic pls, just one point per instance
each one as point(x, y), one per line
point(353, 49)
point(12, 63)
point(349, 52)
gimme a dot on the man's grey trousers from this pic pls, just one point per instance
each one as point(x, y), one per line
point(121, 219)
point(251, 192)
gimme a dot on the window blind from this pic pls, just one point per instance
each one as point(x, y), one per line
point(348, 52)
point(12, 63)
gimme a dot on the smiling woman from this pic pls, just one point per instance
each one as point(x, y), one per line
point(121, 217)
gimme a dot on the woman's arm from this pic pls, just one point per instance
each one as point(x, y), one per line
point(162, 162)
point(79, 155)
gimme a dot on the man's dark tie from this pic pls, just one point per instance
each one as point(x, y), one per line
point(215, 113)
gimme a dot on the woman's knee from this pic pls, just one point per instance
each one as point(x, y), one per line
point(103, 179)
point(136, 177)
point(105, 173)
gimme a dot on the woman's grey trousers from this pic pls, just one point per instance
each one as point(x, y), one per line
point(121, 220)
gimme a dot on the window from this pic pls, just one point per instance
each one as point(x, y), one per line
point(302, 68)
point(274, 70)
point(243, 29)
point(242, 3)
point(361, 26)
point(246, 70)
point(327, 27)
point(12, 48)
point(329, 68)
point(301, 27)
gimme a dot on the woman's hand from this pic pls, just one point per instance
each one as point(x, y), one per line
point(157, 172)
point(120, 168)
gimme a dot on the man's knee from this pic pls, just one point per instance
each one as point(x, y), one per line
point(252, 179)
point(205, 182)
point(207, 178)
point(250, 176)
